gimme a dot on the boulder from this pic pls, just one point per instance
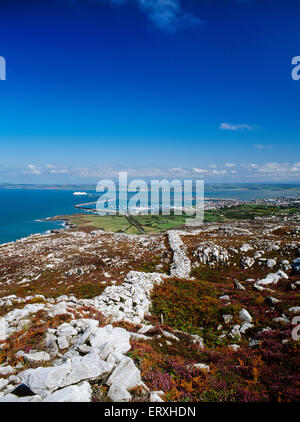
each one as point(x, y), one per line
point(11, 398)
point(44, 380)
point(155, 396)
point(246, 247)
point(75, 393)
point(37, 357)
point(6, 370)
point(3, 329)
point(271, 301)
point(270, 263)
point(254, 342)
point(238, 285)
point(247, 262)
point(3, 383)
point(59, 309)
point(246, 326)
point(224, 298)
point(294, 309)
point(118, 394)
point(227, 318)
point(125, 375)
point(245, 316)
point(110, 339)
point(62, 342)
point(234, 347)
point(202, 366)
point(235, 332)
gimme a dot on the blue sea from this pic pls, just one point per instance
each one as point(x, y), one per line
point(21, 209)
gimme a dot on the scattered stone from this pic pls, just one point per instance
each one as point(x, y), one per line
point(75, 393)
point(155, 396)
point(37, 357)
point(234, 347)
point(6, 370)
point(170, 335)
point(109, 339)
point(283, 319)
point(245, 247)
point(245, 316)
point(295, 309)
point(246, 326)
point(271, 301)
point(235, 332)
point(44, 380)
point(270, 263)
point(227, 318)
point(3, 329)
point(247, 262)
point(125, 375)
point(202, 366)
point(253, 343)
point(63, 342)
point(212, 254)
point(3, 383)
point(118, 394)
point(238, 285)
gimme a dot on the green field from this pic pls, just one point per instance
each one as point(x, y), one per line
point(160, 223)
point(114, 223)
point(248, 212)
point(119, 224)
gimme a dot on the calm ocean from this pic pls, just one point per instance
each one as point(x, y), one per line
point(20, 208)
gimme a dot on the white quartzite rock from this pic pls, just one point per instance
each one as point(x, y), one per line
point(118, 394)
point(125, 375)
point(181, 265)
point(109, 339)
point(75, 393)
point(245, 316)
point(37, 357)
point(3, 329)
point(44, 380)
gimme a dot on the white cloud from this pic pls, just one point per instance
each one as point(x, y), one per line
point(57, 169)
point(296, 168)
point(236, 127)
point(168, 14)
point(275, 171)
point(200, 171)
point(219, 172)
point(33, 169)
point(274, 168)
point(270, 171)
point(165, 14)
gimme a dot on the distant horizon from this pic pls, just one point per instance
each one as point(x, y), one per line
point(209, 184)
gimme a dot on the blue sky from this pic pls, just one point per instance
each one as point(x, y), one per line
point(164, 88)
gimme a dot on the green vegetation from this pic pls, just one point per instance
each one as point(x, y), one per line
point(119, 224)
point(248, 212)
point(114, 223)
point(153, 224)
point(159, 223)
